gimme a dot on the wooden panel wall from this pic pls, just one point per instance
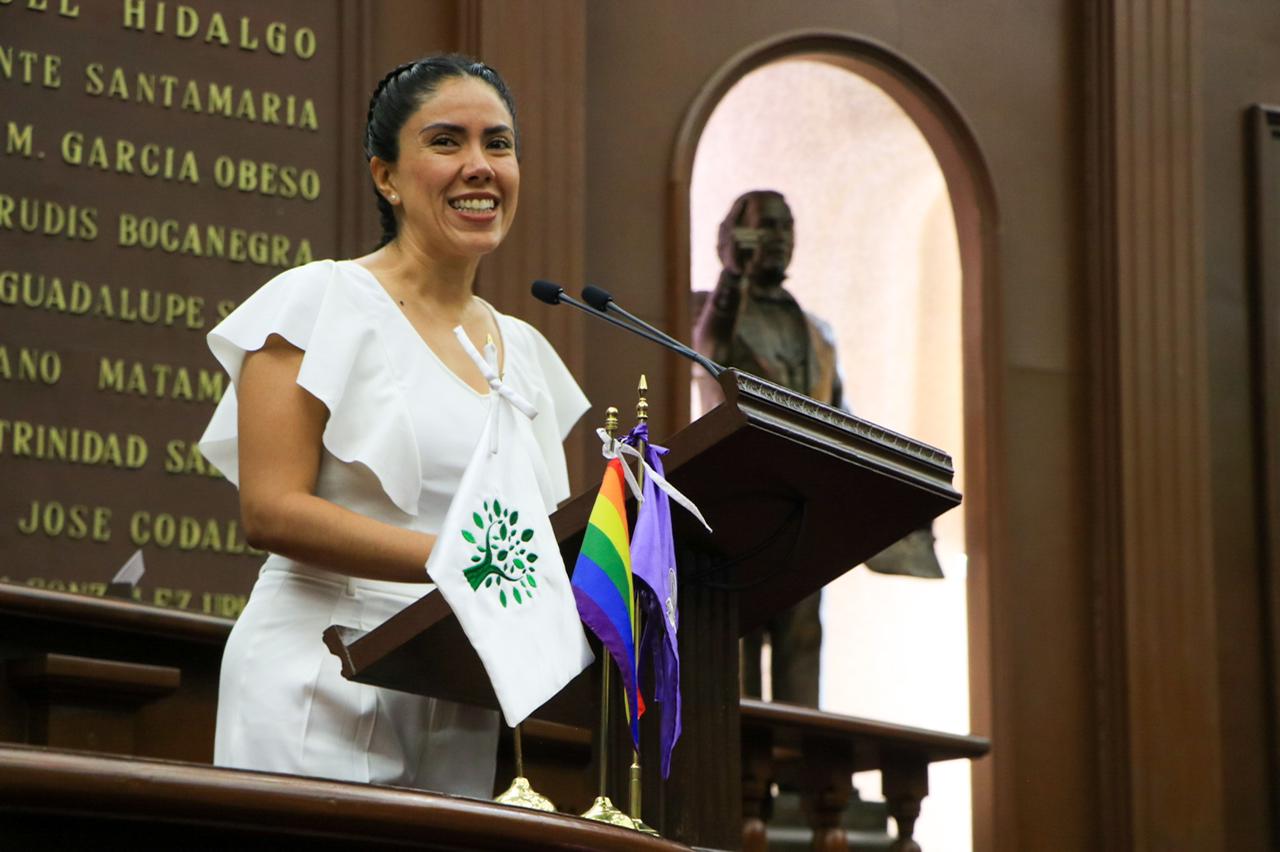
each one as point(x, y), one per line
point(1264, 133)
point(1241, 67)
point(539, 48)
point(541, 51)
point(1155, 573)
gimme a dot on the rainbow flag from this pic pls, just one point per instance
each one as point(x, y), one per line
point(602, 584)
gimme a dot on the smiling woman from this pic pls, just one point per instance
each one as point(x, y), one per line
point(353, 412)
point(466, 130)
point(454, 187)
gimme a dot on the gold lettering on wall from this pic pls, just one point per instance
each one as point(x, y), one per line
point(151, 120)
point(65, 8)
point(18, 140)
point(212, 241)
point(184, 457)
point(29, 67)
point(168, 91)
point(37, 291)
point(25, 364)
point(57, 584)
point(77, 522)
point(125, 157)
point(186, 23)
point(222, 604)
point(266, 178)
point(72, 444)
point(160, 381)
point(183, 532)
point(41, 216)
point(80, 522)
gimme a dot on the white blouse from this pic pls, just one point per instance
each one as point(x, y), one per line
point(402, 426)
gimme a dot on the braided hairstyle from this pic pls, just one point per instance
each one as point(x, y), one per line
point(399, 94)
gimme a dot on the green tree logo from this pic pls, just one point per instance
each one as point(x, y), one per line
point(503, 559)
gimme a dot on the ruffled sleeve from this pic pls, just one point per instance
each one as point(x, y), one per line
point(560, 403)
point(344, 365)
point(567, 398)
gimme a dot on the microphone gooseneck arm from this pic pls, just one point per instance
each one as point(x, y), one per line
point(554, 294)
point(602, 301)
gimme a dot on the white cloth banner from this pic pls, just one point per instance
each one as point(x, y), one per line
point(497, 563)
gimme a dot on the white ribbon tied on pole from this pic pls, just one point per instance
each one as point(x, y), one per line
point(488, 365)
point(612, 448)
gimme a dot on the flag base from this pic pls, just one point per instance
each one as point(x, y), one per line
point(602, 810)
point(644, 828)
point(521, 795)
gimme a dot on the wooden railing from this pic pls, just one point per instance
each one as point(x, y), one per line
point(116, 677)
point(817, 754)
point(58, 799)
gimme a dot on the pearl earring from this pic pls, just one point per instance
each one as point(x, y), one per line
point(393, 198)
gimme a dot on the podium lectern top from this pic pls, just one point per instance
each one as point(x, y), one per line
point(797, 493)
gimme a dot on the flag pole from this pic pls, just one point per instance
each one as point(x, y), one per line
point(520, 793)
point(602, 809)
point(642, 416)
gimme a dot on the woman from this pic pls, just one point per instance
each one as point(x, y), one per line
point(353, 414)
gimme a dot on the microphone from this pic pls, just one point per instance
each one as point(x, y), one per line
point(554, 294)
point(603, 301)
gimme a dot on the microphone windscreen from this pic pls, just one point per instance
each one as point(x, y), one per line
point(545, 291)
point(595, 297)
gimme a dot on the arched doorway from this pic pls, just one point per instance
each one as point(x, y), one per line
point(895, 226)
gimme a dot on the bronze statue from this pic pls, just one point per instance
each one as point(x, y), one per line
point(751, 322)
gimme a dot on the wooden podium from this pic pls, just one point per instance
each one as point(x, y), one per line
point(797, 493)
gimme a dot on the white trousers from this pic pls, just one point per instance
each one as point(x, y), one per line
point(284, 706)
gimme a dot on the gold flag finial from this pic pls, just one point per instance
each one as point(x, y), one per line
point(642, 404)
point(611, 421)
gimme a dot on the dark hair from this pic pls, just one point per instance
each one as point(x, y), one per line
point(402, 91)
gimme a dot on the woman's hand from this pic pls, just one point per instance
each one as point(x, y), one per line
point(280, 427)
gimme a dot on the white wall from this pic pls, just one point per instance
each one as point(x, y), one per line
point(876, 256)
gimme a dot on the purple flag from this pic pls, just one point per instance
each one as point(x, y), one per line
point(653, 562)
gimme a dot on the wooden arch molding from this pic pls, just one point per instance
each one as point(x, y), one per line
point(973, 201)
